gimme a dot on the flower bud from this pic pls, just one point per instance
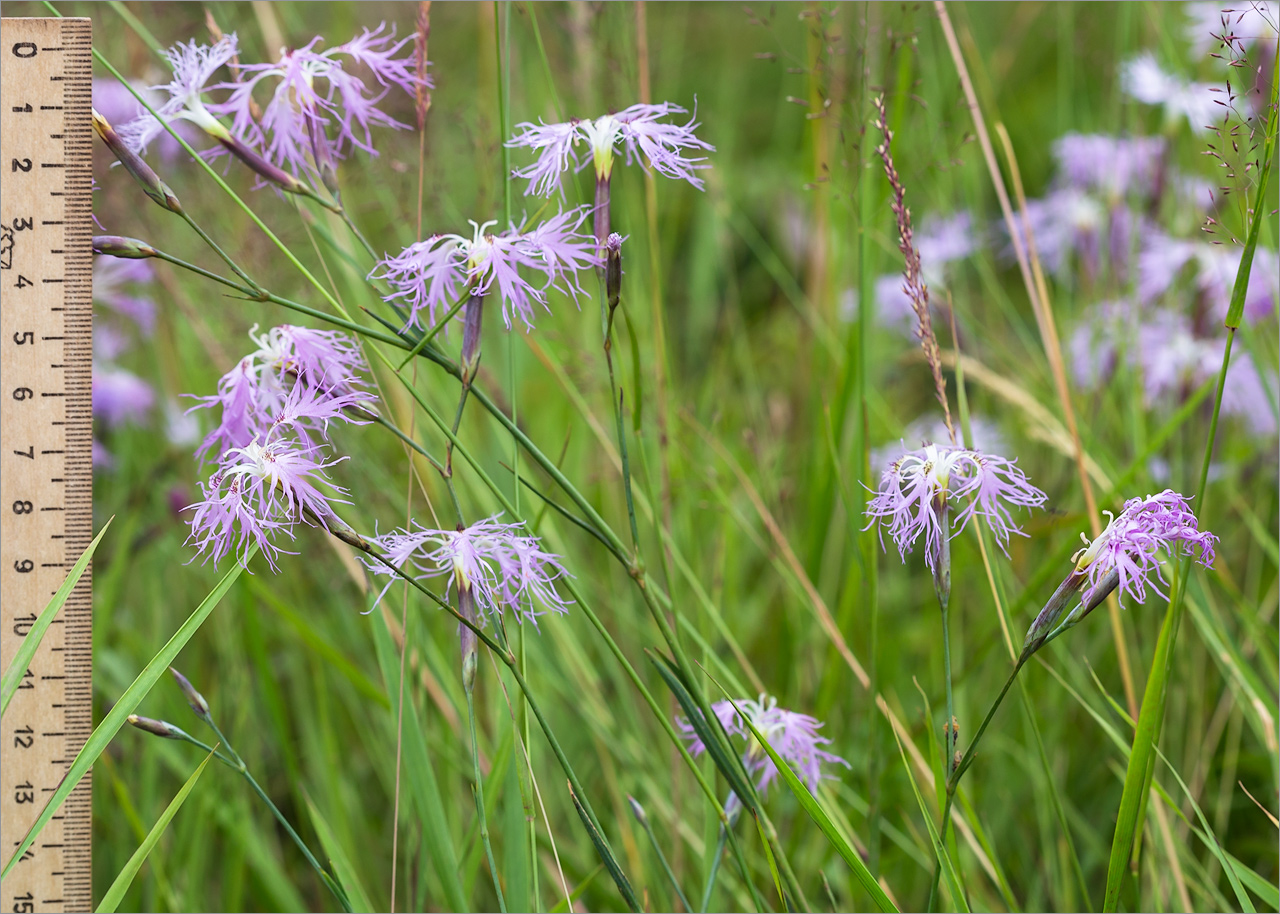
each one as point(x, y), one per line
point(120, 246)
point(638, 811)
point(1051, 622)
point(194, 698)
point(467, 607)
point(156, 727)
point(133, 163)
point(273, 173)
point(613, 268)
point(472, 317)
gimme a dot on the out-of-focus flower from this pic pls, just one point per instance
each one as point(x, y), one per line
point(1072, 226)
point(261, 489)
point(501, 566)
point(940, 242)
point(637, 130)
point(194, 65)
point(180, 427)
point(1143, 79)
point(102, 459)
point(432, 274)
point(917, 487)
point(1251, 22)
point(1163, 258)
point(792, 735)
point(1113, 166)
point(112, 277)
point(316, 89)
point(120, 397)
point(1134, 540)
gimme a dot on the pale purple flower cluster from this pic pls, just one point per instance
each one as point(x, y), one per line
point(1213, 266)
point(639, 132)
point(915, 488)
point(435, 273)
point(119, 396)
point(940, 242)
point(502, 566)
point(269, 444)
point(792, 735)
point(314, 93)
point(1145, 80)
point(1134, 540)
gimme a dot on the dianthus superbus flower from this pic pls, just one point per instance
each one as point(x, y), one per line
point(194, 65)
point(1126, 557)
point(434, 273)
point(637, 129)
point(917, 491)
point(792, 735)
point(498, 564)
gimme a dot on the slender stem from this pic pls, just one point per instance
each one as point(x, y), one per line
point(213, 245)
point(949, 728)
point(302, 846)
point(662, 858)
point(715, 868)
point(479, 795)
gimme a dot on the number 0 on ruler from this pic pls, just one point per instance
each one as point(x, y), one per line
point(46, 446)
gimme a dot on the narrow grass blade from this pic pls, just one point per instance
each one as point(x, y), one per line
point(813, 807)
point(27, 650)
point(948, 868)
point(773, 866)
point(124, 879)
point(339, 862)
point(606, 856)
point(126, 705)
point(578, 890)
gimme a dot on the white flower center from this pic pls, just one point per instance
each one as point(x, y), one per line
point(602, 133)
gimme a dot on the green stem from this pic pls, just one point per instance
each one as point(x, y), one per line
point(662, 858)
point(479, 795)
point(715, 868)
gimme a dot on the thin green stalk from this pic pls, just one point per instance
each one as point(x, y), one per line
point(715, 869)
point(240, 766)
point(643, 819)
point(478, 789)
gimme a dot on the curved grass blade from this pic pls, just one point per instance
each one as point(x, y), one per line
point(948, 868)
point(27, 650)
point(339, 862)
point(606, 856)
point(124, 879)
point(126, 705)
point(813, 807)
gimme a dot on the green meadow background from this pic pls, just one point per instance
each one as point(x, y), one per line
point(757, 396)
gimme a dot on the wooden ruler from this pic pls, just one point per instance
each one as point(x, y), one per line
point(46, 442)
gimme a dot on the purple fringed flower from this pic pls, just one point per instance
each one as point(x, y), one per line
point(638, 128)
point(261, 488)
point(315, 90)
point(432, 274)
point(1110, 165)
point(302, 376)
point(502, 568)
point(120, 397)
point(193, 67)
point(916, 486)
point(1143, 79)
point(792, 735)
point(1132, 544)
point(113, 100)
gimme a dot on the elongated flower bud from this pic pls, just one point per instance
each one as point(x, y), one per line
point(467, 606)
point(613, 269)
point(121, 246)
point(1051, 622)
point(637, 810)
point(194, 698)
point(472, 317)
point(273, 173)
point(150, 182)
point(601, 212)
point(155, 727)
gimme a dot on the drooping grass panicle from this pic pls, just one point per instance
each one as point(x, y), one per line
point(913, 283)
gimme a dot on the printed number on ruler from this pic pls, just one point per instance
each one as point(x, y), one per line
point(46, 439)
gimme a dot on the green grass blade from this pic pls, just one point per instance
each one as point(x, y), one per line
point(126, 705)
point(948, 868)
point(124, 879)
point(31, 643)
point(340, 862)
point(813, 807)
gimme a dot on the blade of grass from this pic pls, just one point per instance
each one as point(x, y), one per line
point(111, 900)
point(126, 705)
point(30, 644)
point(343, 871)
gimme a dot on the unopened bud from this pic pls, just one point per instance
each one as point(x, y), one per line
point(467, 637)
point(273, 173)
point(150, 182)
point(157, 727)
point(638, 811)
point(613, 268)
point(120, 246)
point(601, 212)
point(472, 318)
point(194, 698)
point(1054, 619)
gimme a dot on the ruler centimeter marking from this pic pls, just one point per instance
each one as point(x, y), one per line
point(46, 448)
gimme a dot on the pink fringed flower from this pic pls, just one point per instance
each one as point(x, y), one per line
point(315, 91)
point(315, 373)
point(792, 735)
point(501, 567)
point(915, 488)
point(434, 273)
point(194, 65)
point(662, 146)
point(1133, 542)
